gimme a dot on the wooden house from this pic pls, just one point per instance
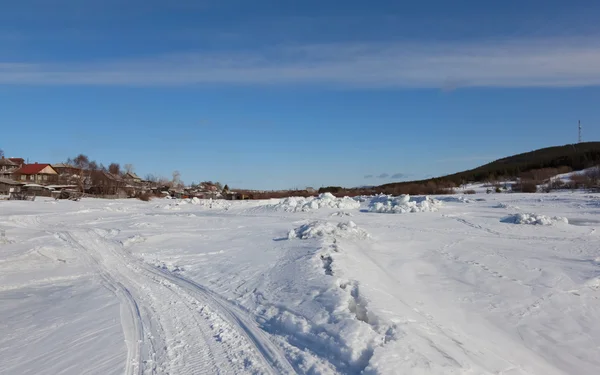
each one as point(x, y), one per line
point(42, 174)
point(7, 168)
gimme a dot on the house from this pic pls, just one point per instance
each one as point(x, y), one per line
point(67, 174)
point(131, 177)
point(104, 183)
point(7, 167)
point(8, 186)
point(42, 174)
point(18, 161)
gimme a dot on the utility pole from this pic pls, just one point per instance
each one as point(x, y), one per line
point(579, 131)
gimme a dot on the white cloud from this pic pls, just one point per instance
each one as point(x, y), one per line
point(558, 62)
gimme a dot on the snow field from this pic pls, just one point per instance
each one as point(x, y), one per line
point(126, 286)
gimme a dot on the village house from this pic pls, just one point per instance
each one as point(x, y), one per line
point(67, 174)
point(8, 186)
point(7, 168)
point(104, 183)
point(132, 178)
point(42, 174)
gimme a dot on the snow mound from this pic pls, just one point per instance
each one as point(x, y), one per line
point(325, 200)
point(341, 213)
point(210, 203)
point(507, 206)
point(534, 219)
point(322, 229)
point(132, 240)
point(459, 199)
point(403, 204)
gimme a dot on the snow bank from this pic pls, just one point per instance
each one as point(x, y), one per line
point(534, 219)
point(403, 204)
point(322, 229)
point(325, 200)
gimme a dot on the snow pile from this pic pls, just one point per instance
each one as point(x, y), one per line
point(132, 240)
point(210, 203)
point(534, 219)
point(342, 213)
point(321, 229)
point(507, 206)
point(403, 204)
point(325, 200)
point(459, 199)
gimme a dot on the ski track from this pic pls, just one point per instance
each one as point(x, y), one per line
point(182, 327)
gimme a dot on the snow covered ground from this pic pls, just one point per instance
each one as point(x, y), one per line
point(314, 286)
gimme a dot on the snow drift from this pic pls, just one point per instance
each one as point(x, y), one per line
point(403, 204)
point(325, 200)
point(534, 219)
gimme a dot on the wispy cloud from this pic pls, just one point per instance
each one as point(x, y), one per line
point(368, 176)
point(556, 62)
point(399, 175)
point(383, 175)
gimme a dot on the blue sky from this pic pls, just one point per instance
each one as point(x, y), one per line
point(287, 94)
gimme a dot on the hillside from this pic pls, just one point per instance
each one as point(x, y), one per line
point(575, 156)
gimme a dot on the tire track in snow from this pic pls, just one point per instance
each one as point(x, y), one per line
point(196, 330)
point(131, 319)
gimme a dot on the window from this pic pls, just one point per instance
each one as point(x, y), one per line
point(23, 177)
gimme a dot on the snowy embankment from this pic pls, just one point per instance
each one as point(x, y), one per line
point(293, 286)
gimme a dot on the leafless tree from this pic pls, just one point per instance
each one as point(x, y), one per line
point(114, 168)
point(1, 153)
point(150, 177)
point(128, 168)
point(177, 179)
point(85, 166)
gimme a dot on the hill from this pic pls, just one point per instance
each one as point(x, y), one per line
point(568, 157)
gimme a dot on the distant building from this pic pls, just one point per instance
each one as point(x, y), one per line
point(8, 186)
point(42, 174)
point(131, 177)
point(67, 174)
point(7, 167)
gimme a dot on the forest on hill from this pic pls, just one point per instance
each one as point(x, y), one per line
point(559, 158)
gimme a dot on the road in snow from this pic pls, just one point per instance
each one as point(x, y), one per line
point(314, 287)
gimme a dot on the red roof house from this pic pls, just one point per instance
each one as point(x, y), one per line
point(36, 173)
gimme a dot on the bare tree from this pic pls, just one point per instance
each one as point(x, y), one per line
point(1, 153)
point(150, 177)
point(177, 179)
point(85, 166)
point(114, 168)
point(128, 168)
